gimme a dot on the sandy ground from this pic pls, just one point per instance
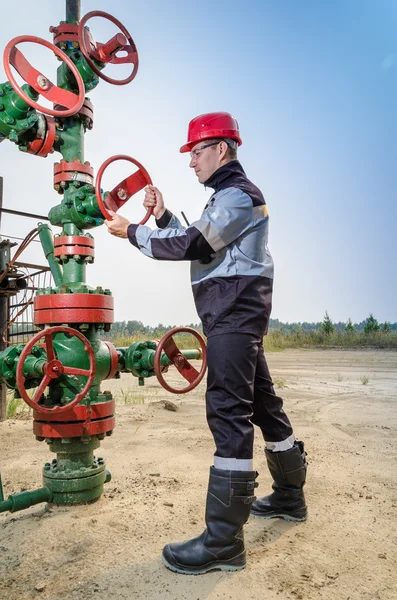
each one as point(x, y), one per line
point(159, 462)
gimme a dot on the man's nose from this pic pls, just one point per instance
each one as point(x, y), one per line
point(192, 162)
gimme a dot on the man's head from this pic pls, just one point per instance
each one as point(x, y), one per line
point(213, 139)
point(207, 156)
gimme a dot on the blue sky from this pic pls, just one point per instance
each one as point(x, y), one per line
point(314, 87)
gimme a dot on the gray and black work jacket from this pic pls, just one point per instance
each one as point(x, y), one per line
point(231, 266)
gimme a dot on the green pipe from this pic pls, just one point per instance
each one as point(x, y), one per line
point(73, 271)
point(193, 354)
point(24, 500)
point(1, 491)
point(47, 243)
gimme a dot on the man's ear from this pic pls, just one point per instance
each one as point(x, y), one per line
point(223, 149)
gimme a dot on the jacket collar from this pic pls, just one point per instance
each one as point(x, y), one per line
point(224, 174)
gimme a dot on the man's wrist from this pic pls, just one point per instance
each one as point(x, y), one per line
point(160, 213)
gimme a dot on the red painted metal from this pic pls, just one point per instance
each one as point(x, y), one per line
point(65, 32)
point(53, 368)
point(211, 125)
point(169, 347)
point(62, 301)
point(107, 52)
point(78, 240)
point(14, 57)
point(73, 315)
point(42, 146)
point(124, 190)
point(99, 410)
point(68, 430)
point(73, 250)
point(114, 360)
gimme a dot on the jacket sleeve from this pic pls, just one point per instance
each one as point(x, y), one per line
point(230, 215)
point(169, 220)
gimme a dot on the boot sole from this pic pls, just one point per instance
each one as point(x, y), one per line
point(214, 567)
point(278, 516)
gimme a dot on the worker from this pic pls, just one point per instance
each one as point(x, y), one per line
point(232, 282)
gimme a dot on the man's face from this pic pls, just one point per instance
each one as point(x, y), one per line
point(206, 158)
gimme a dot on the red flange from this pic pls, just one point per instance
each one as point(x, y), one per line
point(73, 301)
point(66, 430)
point(41, 146)
point(114, 358)
point(73, 315)
point(74, 240)
point(99, 410)
point(41, 84)
point(73, 171)
point(124, 190)
point(107, 53)
point(73, 308)
point(168, 345)
point(73, 250)
point(65, 32)
point(54, 368)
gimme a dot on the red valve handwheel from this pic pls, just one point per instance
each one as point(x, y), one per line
point(107, 53)
point(168, 345)
point(13, 57)
point(124, 190)
point(54, 368)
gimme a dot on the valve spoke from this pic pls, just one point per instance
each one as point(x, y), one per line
point(180, 362)
point(75, 371)
point(128, 187)
point(40, 390)
point(187, 370)
point(26, 70)
point(131, 57)
point(49, 347)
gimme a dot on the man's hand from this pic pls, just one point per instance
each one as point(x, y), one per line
point(153, 197)
point(118, 225)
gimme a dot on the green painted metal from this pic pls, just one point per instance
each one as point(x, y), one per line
point(79, 208)
point(75, 476)
point(16, 116)
point(139, 358)
point(24, 500)
point(47, 243)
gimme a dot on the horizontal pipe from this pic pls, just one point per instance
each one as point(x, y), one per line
point(24, 500)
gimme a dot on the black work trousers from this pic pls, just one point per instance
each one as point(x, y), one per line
point(240, 393)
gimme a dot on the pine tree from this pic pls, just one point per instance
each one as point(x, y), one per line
point(349, 327)
point(386, 327)
point(327, 326)
point(371, 324)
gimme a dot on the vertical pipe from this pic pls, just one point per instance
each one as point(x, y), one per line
point(72, 11)
point(3, 328)
point(47, 244)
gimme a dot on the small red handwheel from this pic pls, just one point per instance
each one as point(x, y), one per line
point(107, 53)
point(54, 368)
point(184, 367)
point(124, 190)
point(14, 57)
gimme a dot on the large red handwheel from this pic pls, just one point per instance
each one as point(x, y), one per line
point(107, 53)
point(54, 368)
point(13, 57)
point(124, 190)
point(184, 367)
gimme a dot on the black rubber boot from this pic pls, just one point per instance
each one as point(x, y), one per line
point(221, 545)
point(287, 501)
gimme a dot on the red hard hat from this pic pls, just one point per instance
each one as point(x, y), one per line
point(211, 125)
